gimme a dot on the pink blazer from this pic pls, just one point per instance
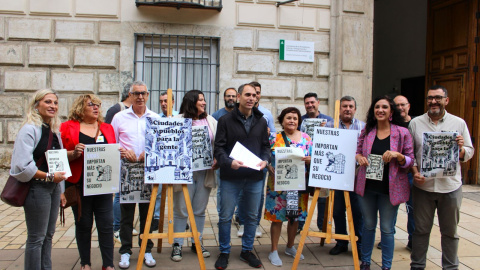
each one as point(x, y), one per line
point(400, 141)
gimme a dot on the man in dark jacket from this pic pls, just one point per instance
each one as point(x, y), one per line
point(245, 125)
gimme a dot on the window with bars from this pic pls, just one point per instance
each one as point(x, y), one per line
point(179, 62)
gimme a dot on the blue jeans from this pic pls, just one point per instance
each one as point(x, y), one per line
point(339, 210)
point(117, 213)
point(409, 205)
point(238, 211)
point(249, 205)
point(217, 175)
point(371, 204)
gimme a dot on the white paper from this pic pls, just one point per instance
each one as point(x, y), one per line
point(374, 170)
point(249, 159)
point(58, 162)
point(101, 169)
point(289, 169)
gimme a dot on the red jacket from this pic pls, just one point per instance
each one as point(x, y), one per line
point(70, 133)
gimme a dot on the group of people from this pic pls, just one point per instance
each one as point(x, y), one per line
point(388, 131)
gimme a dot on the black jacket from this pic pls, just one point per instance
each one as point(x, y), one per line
point(230, 129)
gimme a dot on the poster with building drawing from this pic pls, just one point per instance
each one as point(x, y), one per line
point(289, 169)
point(132, 186)
point(101, 169)
point(333, 158)
point(202, 148)
point(439, 154)
point(309, 124)
point(374, 170)
point(58, 162)
point(168, 151)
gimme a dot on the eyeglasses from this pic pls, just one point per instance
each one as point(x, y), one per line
point(143, 93)
point(401, 104)
point(91, 104)
point(437, 98)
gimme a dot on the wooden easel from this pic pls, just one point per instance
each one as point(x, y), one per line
point(167, 191)
point(328, 235)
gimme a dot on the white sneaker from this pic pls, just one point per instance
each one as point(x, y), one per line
point(149, 260)
point(293, 252)
point(258, 232)
point(134, 232)
point(116, 236)
point(274, 258)
point(241, 230)
point(124, 261)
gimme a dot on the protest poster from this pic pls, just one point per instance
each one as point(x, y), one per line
point(440, 154)
point(309, 124)
point(58, 162)
point(168, 151)
point(289, 169)
point(101, 169)
point(333, 158)
point(132, 186)
point(374, 170)
point(202, 148)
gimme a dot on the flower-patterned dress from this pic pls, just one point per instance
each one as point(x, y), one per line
point(276, 202)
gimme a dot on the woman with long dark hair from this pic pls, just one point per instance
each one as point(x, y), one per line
point(384, 137)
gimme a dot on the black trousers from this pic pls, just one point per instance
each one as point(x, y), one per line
point(100, 206)
point(126, 226)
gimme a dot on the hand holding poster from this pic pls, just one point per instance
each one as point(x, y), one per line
point(101, 169)
point(168, 151)
point(202, 148)
point(374, 170)
point(249, 159)
point(132, 186)
point(309, 124)
point(440, 154)
point(289, 169)
point(333, 158)
point(58, 162)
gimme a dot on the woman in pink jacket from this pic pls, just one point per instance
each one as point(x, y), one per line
point(387, 147)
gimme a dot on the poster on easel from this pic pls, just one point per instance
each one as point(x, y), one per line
point(333, 159)
point(440, 154)
point(132, 186)
point(202, 148)
point(101, 169)
point(309, 124)
point(289, 169)
point(168, 151)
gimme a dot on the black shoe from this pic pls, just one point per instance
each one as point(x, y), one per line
point(379, 246)
point(176, 255)
point(187, 227)
point(416, 268)
point(155, 225)
point(385, 268)
point(409, 245)
point(365, 266)
point(205, 252)
point(222, 261)
point(251, 259)
point(337, 249)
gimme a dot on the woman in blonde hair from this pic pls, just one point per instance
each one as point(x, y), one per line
point(39, 134)
point(85, 126)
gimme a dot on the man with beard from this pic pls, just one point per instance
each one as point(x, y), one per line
point(441, 194)
point(348, 107)
point(230, 99)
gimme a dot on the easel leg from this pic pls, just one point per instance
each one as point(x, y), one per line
point(162, 218)
point(146, 231)
point(196, 234)
point(306, 227)
point(170, 213)
point(351, 228)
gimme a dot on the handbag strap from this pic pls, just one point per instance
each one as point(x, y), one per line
point(284, 135)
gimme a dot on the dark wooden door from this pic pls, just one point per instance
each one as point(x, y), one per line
point(452, 29)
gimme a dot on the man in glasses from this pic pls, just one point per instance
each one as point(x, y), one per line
point(129, 126)
point(443, 194)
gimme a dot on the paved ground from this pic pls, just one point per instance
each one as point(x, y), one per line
point(65, 254)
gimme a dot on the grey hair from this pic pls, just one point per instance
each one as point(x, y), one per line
point(348, 98)
point(164, 93)
point(126, 89)
point(138, 83)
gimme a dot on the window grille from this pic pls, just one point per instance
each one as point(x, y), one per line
point(179, 62)
point(200, 4)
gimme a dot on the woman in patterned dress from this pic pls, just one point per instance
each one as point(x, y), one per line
point(276, 202)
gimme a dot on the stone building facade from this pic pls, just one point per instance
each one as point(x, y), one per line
point(88, 46)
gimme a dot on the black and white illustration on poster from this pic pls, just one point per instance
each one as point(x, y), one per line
point(333, 158)
point(132, 186)
point(202, 148)
point(374, 170)
point(168, 151)
point(309, 124)
point(289, 169)
point(58, 162)
point(439, 154)
point(101, 169)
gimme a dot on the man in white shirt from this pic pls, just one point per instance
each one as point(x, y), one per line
point(129, 126)
point(443, 194)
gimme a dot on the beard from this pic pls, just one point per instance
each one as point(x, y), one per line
point(229, 104)
point(436, 111)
